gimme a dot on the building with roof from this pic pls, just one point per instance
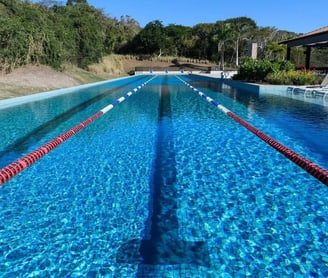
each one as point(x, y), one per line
point(316, 38)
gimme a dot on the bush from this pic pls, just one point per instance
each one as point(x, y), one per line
point(293, 77)
point(253, 70)
point(285, 65)
point(258, 70)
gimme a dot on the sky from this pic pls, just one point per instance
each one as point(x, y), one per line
point(299, 16)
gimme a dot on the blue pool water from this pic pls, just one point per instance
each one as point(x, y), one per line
point(164, 185)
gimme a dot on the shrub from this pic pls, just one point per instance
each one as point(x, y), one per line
point(253, 70)
point(258, 70)
point(293, 77)
point(285, 65)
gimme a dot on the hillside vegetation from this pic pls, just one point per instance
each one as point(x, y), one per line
point(54, 33)
point(84, 45)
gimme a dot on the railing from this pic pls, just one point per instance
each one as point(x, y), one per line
point(182, 68)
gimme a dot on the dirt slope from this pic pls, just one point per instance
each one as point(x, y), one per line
point(33, 79)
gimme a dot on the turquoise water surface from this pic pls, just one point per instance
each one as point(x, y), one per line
point(164, 185)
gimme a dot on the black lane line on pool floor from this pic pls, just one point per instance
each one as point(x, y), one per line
point(161, 245)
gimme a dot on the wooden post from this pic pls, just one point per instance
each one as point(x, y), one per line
point(307, 57)
point(288, 53)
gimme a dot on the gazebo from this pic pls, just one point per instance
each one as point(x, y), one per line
point(316, 38)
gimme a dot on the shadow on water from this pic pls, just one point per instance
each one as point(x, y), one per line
point(161, 244)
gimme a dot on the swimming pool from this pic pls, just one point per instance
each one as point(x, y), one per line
point(164, 184)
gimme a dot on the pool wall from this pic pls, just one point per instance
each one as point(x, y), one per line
point(298, 93)
point(250, 87)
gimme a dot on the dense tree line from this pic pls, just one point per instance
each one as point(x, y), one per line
point(51, 33)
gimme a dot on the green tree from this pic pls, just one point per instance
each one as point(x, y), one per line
point(51, 33)
point(127, 29)
point(180, 38)
point(276, 51)
point(151, 38)
point(222, 36)
point(241, 29)
point(26, 35)
point(84, 33)
point(202, 34)
point(88, 35)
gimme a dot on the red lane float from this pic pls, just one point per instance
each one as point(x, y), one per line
point(313, 169)
point(16, 167)
point(309, 166)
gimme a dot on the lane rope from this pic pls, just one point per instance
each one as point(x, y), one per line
point(309, 166)
point(18, 166)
